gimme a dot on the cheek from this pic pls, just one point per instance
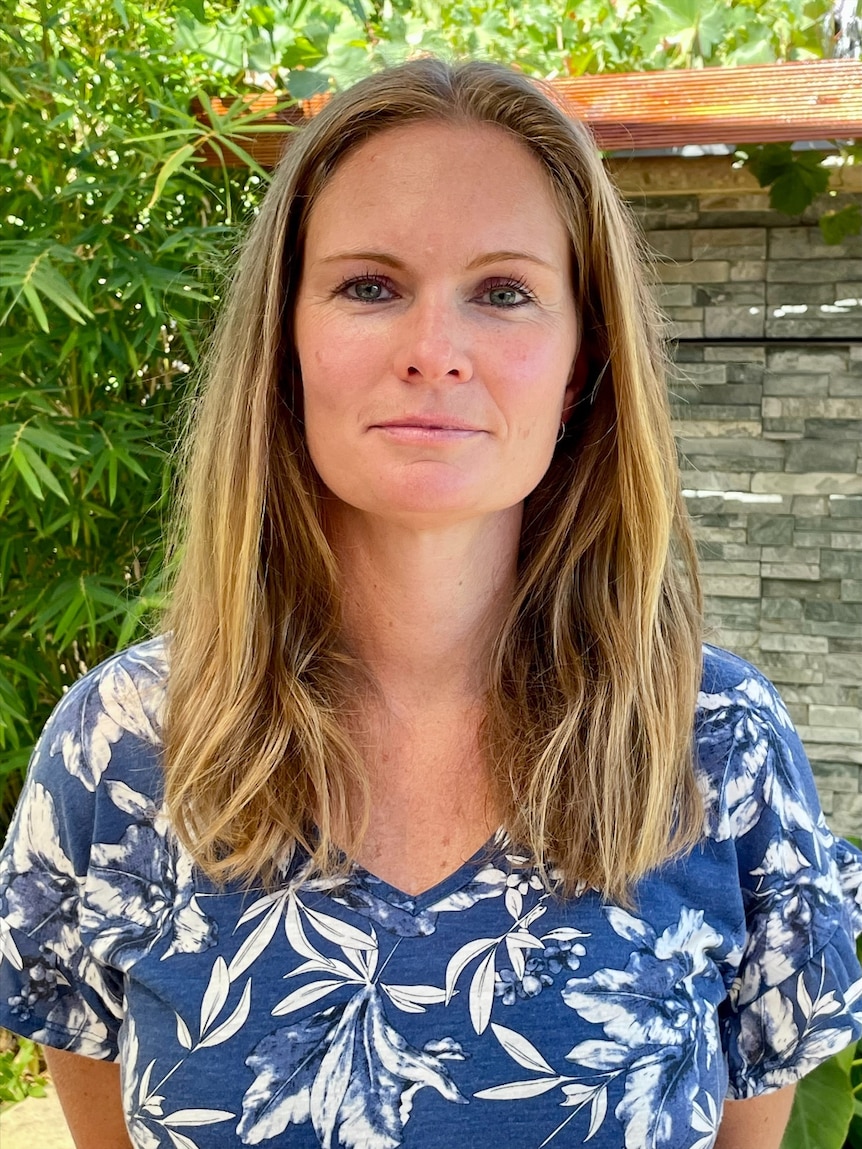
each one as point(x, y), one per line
point(334, 365)
point(533, 378)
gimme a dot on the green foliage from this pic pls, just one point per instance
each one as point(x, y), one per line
point(837, 225)
point(306, 47)
point(796, 178)
point(112, 240)
point(22, 1070)
point(793, 178)
point(822, 1106)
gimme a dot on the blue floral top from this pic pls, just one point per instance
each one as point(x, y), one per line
point(485, 1012)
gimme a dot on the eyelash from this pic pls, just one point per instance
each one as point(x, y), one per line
point(496, 284)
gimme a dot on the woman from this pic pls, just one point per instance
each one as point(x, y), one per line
point(418, 852)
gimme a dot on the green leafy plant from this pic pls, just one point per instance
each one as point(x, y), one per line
point(796, 178)
point(111, 247)
point(22, 1069)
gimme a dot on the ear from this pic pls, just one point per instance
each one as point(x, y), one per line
point(577, 382)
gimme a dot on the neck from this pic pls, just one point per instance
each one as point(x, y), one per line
point(421, 607)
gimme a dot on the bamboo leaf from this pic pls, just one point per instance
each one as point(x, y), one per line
point(22, 465)
point(30, 294)
point(41, 470)
point(171, 165)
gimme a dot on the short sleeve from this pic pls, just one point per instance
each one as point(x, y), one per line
point(795, 1000)
point(52, 988)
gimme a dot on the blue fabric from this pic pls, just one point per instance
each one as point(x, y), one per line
point(485, 1013)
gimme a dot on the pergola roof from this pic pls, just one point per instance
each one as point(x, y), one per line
point(761, 103)
point(639, 111)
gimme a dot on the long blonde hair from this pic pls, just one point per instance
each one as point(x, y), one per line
point(593, 678)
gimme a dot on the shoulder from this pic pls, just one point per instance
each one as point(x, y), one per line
point(116, 708)
point(747, 750)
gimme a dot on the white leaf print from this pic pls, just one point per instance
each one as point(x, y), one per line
point(595, 1054)
point(215, 995)
point(564, 934)
point(826, 1005)
point(516, 1090)
point(516, 957)
point(701, 1122)
point(261, 906)
point(295, 932)
point(305, 995)
point(520, 1049)
point(48, 877)
point(183, 1035)
point(8, 949)
point(782, 856)
point(514, 901)
point(482, 993)
point(85, 1031)
point(255, 943)
point(414, 998)
point(121, 700)
point(459, 961)
point(358, 960)
point(128, 800)
point(233, 1024)
point(340, 933)
point(803, 996)
point(333, 1078)
point(326, 965)
point(488, 883)
point(628, 926)
point(598, 1112)
point(577, 1095)
point(535, 913)
point(525, 940)
point(87, 763)
point(823, 1044)
point(491, 876)
point(767, 1023)
point(187, 1117)
point(144, 1084)
point(180, 1140)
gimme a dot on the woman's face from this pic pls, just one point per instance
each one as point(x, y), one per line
point(435, 325)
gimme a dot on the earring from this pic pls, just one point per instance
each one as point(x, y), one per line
point(562, 431)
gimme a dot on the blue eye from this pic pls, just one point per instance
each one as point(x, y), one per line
point(504, 296)
point(507, 294)
point(365, 289)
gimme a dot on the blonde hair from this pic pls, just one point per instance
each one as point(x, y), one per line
point(593, 678)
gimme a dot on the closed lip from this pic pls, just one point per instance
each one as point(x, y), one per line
point(429, 423)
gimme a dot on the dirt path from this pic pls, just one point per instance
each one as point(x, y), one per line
point(36, 1123)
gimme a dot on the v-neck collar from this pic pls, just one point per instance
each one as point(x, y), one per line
point(426, 899)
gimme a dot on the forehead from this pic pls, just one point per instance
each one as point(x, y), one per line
point(438, 184)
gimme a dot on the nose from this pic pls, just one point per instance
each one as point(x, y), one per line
point(432, 346)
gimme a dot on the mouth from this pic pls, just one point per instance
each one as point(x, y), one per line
point(426, 430)
point(428, 423)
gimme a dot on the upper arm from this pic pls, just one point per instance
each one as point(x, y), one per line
point(758, 1122)
point(794, 996)
point(89, 1092)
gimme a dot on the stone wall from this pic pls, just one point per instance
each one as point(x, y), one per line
point(767, 401)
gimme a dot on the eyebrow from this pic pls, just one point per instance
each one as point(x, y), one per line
point(479, 261)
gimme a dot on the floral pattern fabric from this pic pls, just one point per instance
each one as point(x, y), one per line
point(487, 1012)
